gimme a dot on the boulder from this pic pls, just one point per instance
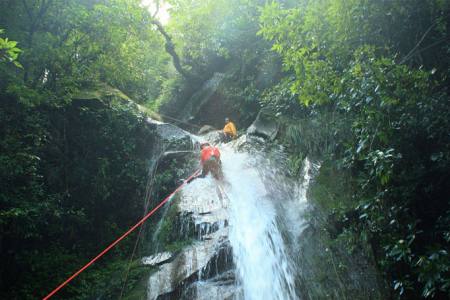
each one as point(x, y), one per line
point(264, 126)
point(171, 136)
point(213, 137)
point(205, 129)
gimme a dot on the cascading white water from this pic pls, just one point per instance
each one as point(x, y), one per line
point(253, 216)
point(264, 269)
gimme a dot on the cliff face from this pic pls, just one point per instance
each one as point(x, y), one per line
point(228, 92)
point(259, 234)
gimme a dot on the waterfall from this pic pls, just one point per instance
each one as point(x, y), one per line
point(263, 267)
point(244, 230)
point(254, 236)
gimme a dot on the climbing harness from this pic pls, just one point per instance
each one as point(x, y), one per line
point(120, 238)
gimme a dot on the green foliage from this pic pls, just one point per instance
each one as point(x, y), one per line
point(70, 43)
point(361, 84)
point(333, 188)
point(67, 172)
point(171, 88)
point(220, 36)
point(8, 51)
point(375, 85)
point(316, 40)
point(208, 32)
point(71, 168)
point(107, 282)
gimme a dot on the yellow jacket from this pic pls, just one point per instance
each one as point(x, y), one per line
point(230, 129)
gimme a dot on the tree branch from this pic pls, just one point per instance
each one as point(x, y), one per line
point(411, 53)
point(170, 48)
point(157, 9)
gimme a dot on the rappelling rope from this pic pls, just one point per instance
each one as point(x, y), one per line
point(180, 121)
point(120, 238)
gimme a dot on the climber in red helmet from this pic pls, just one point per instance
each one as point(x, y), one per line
point(210, 161)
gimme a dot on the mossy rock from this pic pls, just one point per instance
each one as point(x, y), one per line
point(103, 94)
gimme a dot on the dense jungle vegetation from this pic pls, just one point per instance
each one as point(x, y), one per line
point(361, 85)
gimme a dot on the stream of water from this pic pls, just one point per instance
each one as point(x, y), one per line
point(263, 266)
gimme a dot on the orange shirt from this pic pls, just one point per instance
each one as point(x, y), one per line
point(230, 129)
point(208, 152)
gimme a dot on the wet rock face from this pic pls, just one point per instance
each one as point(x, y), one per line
point(171, 137)
point(204, 269)
point(191, 106)
point(199, 265)
point(220, 287)
point(264, 127)
point(330, 271)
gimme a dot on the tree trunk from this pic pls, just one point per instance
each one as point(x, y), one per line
point(170, 48)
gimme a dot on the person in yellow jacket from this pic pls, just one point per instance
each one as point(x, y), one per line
point(229, 131)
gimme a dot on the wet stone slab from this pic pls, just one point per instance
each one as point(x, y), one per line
point(157, 259)
point(189, 265)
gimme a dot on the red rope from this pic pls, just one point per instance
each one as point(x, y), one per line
point(119, 239)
